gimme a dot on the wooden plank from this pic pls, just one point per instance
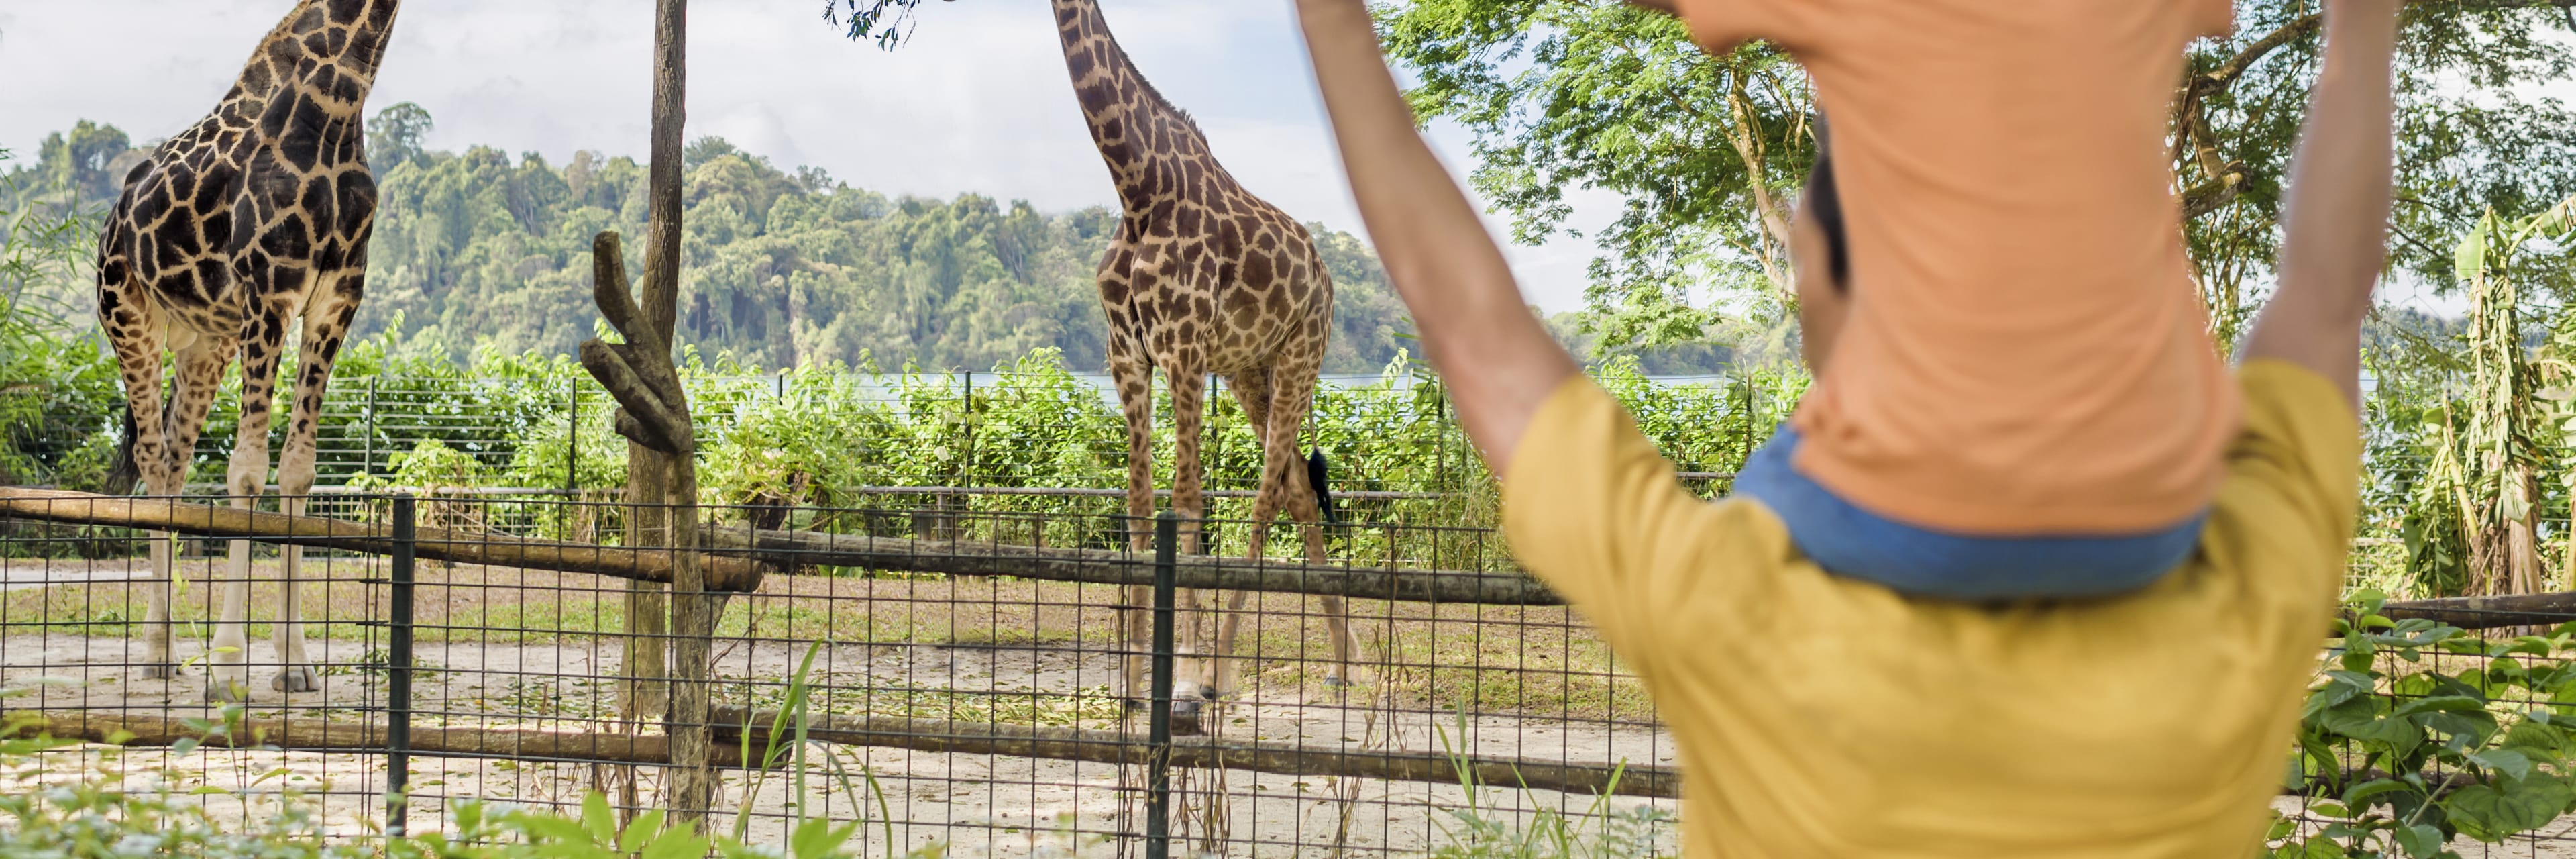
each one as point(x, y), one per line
point(206, 520)
point(1113, 747)
point(318, 735)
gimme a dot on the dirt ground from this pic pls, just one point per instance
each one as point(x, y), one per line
point(519, 649)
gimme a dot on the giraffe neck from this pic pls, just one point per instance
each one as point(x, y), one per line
point(346, 36)
point(1130, 122)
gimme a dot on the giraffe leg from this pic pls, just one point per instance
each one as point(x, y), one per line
point(263, 339)
point(137, 341)
point(1135, 380)
point(326, 325)
point(1187, 376)
point(1292, 397)
point(201, 362)
point(1252, 391)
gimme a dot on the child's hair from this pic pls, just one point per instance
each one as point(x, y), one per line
point(1825, 204)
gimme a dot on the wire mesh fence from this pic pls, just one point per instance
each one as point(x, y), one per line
point(1003, 707)
point(1034, 439)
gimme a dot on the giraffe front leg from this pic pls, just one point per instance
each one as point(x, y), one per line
point(264, 334)
point(157, 664)
point(228, 657)
point(1135, 383)
point(1252, 391)
point(326, 323)
point(295, 669)
point(1189, 503)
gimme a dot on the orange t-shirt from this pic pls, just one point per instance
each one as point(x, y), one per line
point(2024, 352)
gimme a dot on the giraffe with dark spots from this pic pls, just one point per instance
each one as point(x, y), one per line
point(1202, 278)
point(249, 224)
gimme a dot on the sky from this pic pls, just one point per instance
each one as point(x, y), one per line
point(977, 101)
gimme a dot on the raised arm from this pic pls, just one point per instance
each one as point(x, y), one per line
point(1498, 360)
point(2335, 227)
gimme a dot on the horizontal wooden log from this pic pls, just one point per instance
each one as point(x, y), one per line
point(1092, 566)
point(1112, 747)
point(225, 521)
point(2542, 610)
point(317, 735)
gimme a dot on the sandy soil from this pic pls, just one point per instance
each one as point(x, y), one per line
point(979, 804)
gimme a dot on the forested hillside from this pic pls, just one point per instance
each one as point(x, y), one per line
point(480, 251)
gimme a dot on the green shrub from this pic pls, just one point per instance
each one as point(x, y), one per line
point(2399, 756)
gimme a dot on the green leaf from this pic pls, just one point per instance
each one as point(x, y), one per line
point(819, 839)
point(679, 843)
point(598, 819)
point(2353, 796)
point(2494, 812)
point(2419, 841)
point(2470, 259)
point(646, 826)
point(2507, 761)
point(2441, 703)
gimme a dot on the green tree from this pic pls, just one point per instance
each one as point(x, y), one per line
point(1706, 150)
point(398, 135)
point(86, 159)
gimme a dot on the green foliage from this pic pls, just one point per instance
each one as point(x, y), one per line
point(886, 22)
point(1707, 151)
point(57, 392)
point(83, 814)
point(1486, 829)
point(2471, 99)
point(477, 251)
point(2483, 420)
point(2399, 755)
point(399, 135)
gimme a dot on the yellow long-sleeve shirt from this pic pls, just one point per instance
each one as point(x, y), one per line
point(1823, 717)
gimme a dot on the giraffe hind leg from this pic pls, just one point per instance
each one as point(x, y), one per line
point(1304, 500)
point(137, 341)
point(1252, 391)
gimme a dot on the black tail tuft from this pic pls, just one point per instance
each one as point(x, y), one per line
point(1318, 478)
point(122, 474)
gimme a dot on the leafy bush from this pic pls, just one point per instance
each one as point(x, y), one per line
point(87, 818)
point(2399, 756)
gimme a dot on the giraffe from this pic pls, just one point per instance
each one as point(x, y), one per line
point(1202, 277)
point(254, 218)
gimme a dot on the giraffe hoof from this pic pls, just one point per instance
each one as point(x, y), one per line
point(1337, 681)
point(298, 678)
point(158, 671)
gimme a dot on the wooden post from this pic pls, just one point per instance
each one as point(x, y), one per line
point(662, 475)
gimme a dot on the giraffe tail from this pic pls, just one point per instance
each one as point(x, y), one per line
point(122, 473)
point(1318, 474)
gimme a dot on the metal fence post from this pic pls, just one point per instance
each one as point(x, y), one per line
point(572, 442)
point(1158, 761)
point(398, 664)
point(369, 465)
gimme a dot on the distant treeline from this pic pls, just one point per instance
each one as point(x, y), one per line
point(480, 252)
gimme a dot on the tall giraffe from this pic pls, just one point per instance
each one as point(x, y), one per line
point(1202, 277)
point(254, 218)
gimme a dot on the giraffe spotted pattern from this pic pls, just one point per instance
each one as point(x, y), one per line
point(254, 219)
point(1202, 277)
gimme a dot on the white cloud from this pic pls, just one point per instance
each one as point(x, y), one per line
point(976, 102)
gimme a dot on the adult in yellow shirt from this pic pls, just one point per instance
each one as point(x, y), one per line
point(1823, 716)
